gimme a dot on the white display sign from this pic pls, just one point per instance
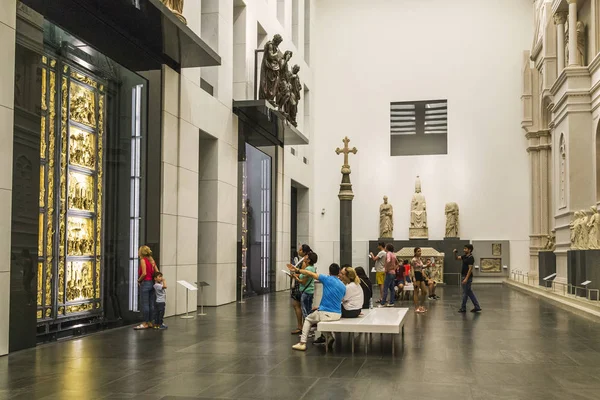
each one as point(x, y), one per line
point(187, 285)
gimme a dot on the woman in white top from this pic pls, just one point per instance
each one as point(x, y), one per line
point(353, 300)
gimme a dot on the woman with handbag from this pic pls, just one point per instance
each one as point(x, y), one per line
point(296, 293)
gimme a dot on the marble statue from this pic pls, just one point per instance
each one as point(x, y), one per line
point(593, 229)
point(451, 220)
point(386, 220)
point(550, 242)
point(418, 214)
point(176, 7)
point(269, 70)
point(284, 87)
point(579, 231)
point(581, 43)
point(296, 89)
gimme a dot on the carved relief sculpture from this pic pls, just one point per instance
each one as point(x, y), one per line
point(592, 229)
point(418, 214)
point(579, 231)
point(83, 105)
point(491, 265)
point(452, 226)
point(269, 70)
point(176, 7)
point(386, 220)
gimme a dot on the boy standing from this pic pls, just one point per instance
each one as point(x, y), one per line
point(160, 286)
point(466, 274)
point(379, 266)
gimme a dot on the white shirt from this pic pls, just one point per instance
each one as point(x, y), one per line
point(353, 300)
point(380, 263)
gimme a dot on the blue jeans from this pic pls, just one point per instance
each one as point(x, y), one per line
point(159, 313)
point(147, 299)
point(468, 293)
point(306, 301)
point(388, 285)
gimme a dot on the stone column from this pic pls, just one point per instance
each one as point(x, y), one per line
point(559, 20)
point(572, 32)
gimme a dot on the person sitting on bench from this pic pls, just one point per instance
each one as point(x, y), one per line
point(330, 308)
point(353, 300)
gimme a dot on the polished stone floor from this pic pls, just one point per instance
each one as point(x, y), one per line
point(520, 347)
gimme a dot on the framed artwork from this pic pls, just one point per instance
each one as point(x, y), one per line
point(490, 265)
point(497, 249)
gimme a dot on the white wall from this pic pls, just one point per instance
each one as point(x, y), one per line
point(466, 51)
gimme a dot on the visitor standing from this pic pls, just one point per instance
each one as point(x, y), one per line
point(307, 283)
point(296, 294)
point(160, 287)
point(379, 266)
point(466, 275)
point(418, 280)
point(330, 308)
point(146, 271)
point(391, 263)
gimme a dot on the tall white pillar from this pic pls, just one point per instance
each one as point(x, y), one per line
point(572, 32)
point(559, 20)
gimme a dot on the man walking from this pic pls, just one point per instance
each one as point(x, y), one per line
point(330, 308)
point(466, 275)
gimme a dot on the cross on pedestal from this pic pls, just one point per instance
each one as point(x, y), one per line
point(346, 150)
point(346, 195)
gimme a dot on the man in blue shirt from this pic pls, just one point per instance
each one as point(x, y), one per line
point(330, 308)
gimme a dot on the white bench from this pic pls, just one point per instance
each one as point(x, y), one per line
point(378, 320)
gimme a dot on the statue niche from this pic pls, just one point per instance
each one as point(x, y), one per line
point(418, 214)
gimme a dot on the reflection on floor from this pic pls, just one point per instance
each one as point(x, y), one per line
point(520, 347)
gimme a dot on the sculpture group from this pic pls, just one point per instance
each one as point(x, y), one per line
point(585, 229)
point(278, 85)
point(418, 217)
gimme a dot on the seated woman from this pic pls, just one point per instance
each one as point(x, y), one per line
point(353, 300)
point(366, 286)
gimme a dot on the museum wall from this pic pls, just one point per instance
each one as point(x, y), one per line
point(468, 52)
point(202, 133)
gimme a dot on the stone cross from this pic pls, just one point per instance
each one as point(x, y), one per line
point(346, 150)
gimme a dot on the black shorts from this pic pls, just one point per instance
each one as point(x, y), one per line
point(419, 277)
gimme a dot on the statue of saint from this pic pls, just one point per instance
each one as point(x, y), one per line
point(592, 226)
point(386, 220)
point(451, 220)
point(579, 232)
point(296, 88)
point(580, 43)
point(269, 70)
point(284, 87)
point(176, 7)
point(418, 208)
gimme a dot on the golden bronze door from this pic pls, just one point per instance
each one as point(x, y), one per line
point(71, 188)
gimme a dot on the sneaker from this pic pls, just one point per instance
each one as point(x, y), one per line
point(299, 346)
point(320, 340)
point(476, 310)
point(163, 327)
point(462, 310)
point(311, 334)
point(381, 305)
point(390, 305)
point(437, 297)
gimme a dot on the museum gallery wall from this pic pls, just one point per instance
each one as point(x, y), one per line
point(456, 56)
